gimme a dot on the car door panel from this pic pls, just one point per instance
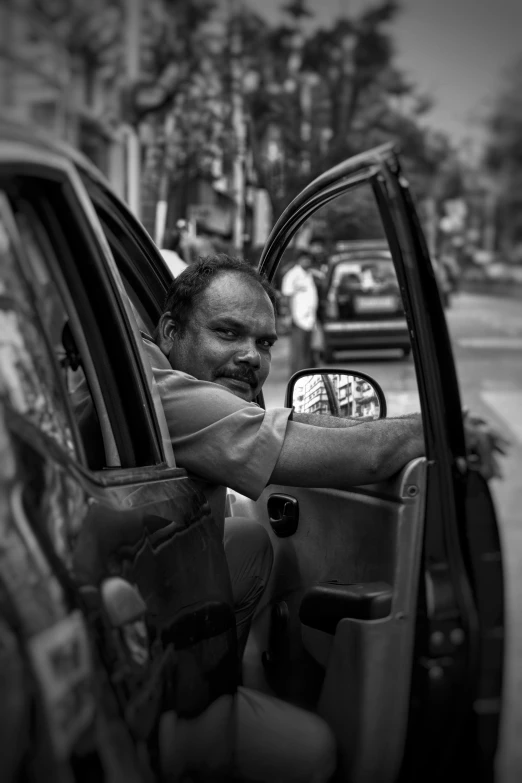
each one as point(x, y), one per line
point(369, 538)
point(431, 686)
point(74, 707)
point(445, 645)
point(153, 528)
point(160, 536)
point(146, 531)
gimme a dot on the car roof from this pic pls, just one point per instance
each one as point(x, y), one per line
point(380, 254)
point(361, 244)
point(15, 132)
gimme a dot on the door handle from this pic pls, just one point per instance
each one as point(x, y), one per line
point(283, 513)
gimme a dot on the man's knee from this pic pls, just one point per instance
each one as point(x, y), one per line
point(314, 752)
point(248, 549)
point(321, 754)
point(277, 741)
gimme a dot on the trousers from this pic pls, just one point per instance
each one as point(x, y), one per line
point(262, 738)
point(249, 557)
point(300, 348)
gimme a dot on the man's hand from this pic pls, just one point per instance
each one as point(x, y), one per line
point(484, 444)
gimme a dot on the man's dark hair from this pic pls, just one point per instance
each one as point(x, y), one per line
point(188, 286)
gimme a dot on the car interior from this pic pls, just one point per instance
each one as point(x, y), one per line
point(334, 630)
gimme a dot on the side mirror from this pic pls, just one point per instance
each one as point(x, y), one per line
point(341, 393)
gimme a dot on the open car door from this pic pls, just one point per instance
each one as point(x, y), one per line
point(384, 612)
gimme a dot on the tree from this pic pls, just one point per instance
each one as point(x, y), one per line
point(358, 97)
point(503, 156)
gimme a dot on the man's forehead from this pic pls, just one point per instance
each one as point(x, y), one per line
point(234, 289)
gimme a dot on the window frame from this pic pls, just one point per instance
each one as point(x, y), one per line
point(49, 259)
point(152, 281)
point(146, 451)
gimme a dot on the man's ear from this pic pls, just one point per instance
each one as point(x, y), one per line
point(165, 333)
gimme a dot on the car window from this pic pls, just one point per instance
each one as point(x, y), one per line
point(66, 341)
point(360, 319)
point(142, 268)
point(83, 315)
point(27, 378)
point(345, 271)
point(368, 272)
point(144, 277)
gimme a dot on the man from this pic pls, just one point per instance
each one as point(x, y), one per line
point(299, 286)
point(317, 248)
point(210, 359)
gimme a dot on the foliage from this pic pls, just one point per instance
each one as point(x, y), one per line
point(89, 32)
point(503, 158)
point(359, 99)
point(311, 100)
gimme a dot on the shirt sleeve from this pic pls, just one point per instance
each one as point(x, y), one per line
point(216, 435)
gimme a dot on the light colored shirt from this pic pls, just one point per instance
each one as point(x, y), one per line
point(218, 437)
point(298, 284)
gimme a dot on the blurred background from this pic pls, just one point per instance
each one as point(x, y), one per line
point(217, 112)
point(209, 116)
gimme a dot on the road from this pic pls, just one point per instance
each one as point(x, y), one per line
point(487, 342)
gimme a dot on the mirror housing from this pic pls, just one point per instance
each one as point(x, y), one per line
point(337, 392)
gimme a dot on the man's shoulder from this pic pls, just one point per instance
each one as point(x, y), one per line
point(155, 355)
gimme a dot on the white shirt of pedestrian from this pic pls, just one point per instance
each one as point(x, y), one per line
point(298, 284)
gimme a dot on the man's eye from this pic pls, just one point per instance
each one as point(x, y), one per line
point(227, 332)
point(266, 344)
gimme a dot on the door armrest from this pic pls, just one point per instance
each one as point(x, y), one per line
point(325, 605)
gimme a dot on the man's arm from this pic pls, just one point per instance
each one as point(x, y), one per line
point(340, 458)
point(332, 422)
point(483, 442)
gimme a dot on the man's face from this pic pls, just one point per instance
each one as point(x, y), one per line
point(228, 338)
point(305, 261)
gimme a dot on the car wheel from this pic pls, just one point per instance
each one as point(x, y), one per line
point(406, 352)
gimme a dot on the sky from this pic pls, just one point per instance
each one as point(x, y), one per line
point(456, 50)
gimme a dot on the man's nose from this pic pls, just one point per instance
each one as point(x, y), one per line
point(249, 353)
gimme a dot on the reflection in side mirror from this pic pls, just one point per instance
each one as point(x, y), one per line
point(336, 393)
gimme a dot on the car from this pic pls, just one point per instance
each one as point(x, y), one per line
point(384, 611)
point(102, 533)
point(446, 288)
point(361, 302)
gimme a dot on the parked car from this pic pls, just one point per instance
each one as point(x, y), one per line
point(362, 305)
point(384, 612)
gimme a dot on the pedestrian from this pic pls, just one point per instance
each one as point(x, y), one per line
point(299, 286)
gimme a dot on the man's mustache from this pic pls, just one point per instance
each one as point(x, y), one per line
point(245, 376)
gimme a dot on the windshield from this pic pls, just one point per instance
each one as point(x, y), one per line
point(373, 270)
